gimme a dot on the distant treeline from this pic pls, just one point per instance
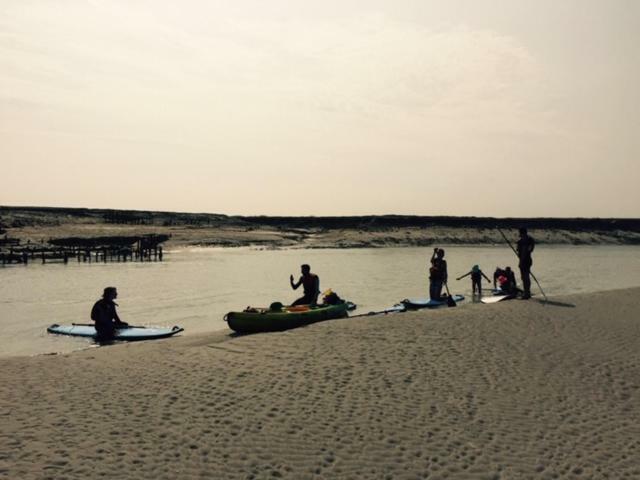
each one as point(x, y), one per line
point(408, 221)
point(161, 218)
point(21, 216)
point(28, 216)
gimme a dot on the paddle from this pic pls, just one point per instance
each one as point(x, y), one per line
point(450, 301)
point(530, 272)
point(379, 312)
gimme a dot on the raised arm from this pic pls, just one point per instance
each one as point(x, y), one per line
point(465, 275)
point(295, 285)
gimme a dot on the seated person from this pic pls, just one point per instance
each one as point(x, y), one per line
point(496, 275)
point(105, 316)
point(508, 282)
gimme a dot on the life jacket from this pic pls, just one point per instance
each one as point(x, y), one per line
point(332, 299)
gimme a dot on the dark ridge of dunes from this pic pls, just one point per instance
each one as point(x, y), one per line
point(406, 221)
point(22, 216)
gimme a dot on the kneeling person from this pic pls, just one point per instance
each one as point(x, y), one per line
point(311, 286)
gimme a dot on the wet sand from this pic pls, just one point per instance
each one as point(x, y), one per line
point(512, 390)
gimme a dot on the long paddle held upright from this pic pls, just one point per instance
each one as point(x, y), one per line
point(515, 251)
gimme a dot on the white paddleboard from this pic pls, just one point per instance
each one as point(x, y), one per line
point(128, 334)
point(496, 298)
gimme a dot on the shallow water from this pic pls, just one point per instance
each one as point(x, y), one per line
point(194, 288)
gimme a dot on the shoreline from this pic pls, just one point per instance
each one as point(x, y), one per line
point(513, 390)
point(224, 333)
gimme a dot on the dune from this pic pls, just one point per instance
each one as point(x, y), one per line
point(512, 390)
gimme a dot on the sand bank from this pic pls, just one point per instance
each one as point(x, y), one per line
point(37, 225)
point(513, 390)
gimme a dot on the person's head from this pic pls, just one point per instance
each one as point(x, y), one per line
point(109, 293)
point(508, 269)
point(305, 269)
point(475, 268)
point(440, 253)
point(523, 232)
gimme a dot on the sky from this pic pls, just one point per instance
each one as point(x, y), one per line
point(250, 107)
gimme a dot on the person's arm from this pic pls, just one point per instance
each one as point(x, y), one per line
point(532, 245)
point(295, 285)
point(94, 312)
point(445, 275)
point(119, 322)
point(465, 275)
point(485, 277)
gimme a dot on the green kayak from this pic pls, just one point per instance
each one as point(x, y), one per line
point(255, 320)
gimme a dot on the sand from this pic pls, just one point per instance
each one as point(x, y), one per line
point(271, 238)
point(506, 391)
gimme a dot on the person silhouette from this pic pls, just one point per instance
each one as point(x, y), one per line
point(437, 274)
point(311, 286)
point(525, 248)
point(105, 316)
point(476, 279)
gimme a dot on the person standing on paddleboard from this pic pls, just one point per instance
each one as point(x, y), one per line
point(311, 286)
point(524, 249)
point(105, 316)
point(437, 274)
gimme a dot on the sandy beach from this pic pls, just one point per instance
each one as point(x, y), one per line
point(512, 390)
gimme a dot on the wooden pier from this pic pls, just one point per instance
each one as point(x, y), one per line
point(145, 248)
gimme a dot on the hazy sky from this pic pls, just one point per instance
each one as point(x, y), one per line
point(289, 107)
